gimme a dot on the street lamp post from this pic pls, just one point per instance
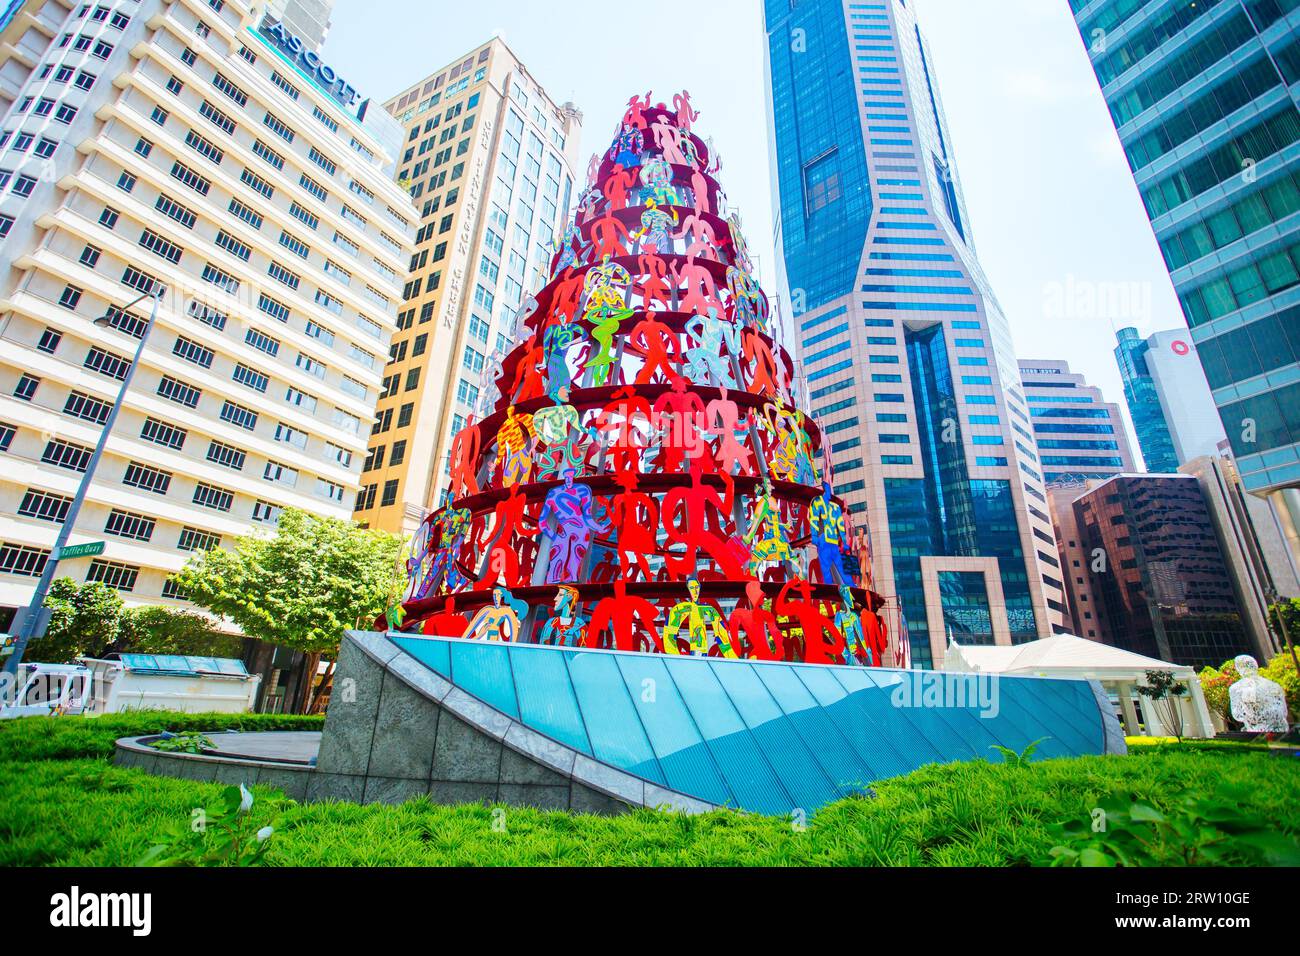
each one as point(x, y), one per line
point(35, 621)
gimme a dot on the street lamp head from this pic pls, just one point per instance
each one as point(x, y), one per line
point(109, 319)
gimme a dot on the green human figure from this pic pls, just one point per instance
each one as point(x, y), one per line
point(700, 620)
point(849, 624)
point(606, 285)
point(766, 537)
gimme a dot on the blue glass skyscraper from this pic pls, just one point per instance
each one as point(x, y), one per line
point(906, 354)
point(1144, 403)
point(1204, 98)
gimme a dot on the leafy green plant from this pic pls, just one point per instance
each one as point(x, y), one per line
point(1164, 690)
point(189, 742)
point(223, 834)
point(1198, 830)
point(1013, 759)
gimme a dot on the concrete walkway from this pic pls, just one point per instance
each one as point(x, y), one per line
point(282, 746)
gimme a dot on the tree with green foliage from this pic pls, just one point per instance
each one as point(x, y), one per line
point(85, 621)
point(302, 587)
point(161, 630)
point(90, 620)
point(1284, 621)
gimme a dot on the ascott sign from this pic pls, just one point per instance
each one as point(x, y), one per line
point(308, 61)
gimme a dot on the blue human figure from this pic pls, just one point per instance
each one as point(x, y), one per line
point(568, 520)
point(626, 150)
point(827, 520)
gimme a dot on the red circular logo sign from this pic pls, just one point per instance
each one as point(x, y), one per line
point(1180, 347)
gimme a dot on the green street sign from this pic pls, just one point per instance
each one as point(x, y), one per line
point(81, 550)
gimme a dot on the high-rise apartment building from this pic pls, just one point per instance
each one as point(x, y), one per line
point(489, 159)
point(1159, 577)
point(185, 146)
point(307, 19)
point(27, 27)
point(1079, 434)
point(908, 358)
point(1166, 391)
point(1204, 97)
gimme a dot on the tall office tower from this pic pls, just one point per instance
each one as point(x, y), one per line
point(1160, 578)
point(175, 145)
point(308, 19)
point(1204, 98)
point(1079, 435)
point(1081, 600)
point(489, 159)
point(1143, 402)
point(1172, 408)
point(1253, 546)
point(907, 355)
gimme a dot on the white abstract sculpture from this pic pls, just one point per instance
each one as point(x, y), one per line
point(1258, 703)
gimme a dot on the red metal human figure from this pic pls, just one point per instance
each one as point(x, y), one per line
point(635, 115)
point(464, 461)
point(528, 382)
point(702, 240)
point(609, 237)
point(724, 419)
point(668, 139)
point(508, 521)
point(700, 192)
point(624, 427)
point(635, 518)
point(658, 345)
point(676, 416)
point(565, 298)
point(754, 631)
point(446, 622)
point(686, 114)
point(630, 621)
point(692, 517)
point(616, 187)
point(765, 374)
point(822, 643)
point(699, 292)
point(653, 286)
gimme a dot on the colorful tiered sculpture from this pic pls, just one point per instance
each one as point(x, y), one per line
point(645, 481)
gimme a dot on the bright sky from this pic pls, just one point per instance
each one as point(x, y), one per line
point(1057, 220)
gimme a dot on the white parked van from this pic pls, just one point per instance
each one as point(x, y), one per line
point(134, 682)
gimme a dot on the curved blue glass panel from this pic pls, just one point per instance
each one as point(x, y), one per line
point(761, 736)
point(869, 738)
point(547, 702)
point(838, 760)
point(433, 654)
point(748, 772)
point(800, 773)
point(687, 764)
point(613, 725)
point(482, 668)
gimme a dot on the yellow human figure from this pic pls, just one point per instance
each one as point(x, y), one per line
point(699, 620)
point(512, 448)
point(773, 545)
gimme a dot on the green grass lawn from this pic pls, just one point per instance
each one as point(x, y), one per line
point(63, 803)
